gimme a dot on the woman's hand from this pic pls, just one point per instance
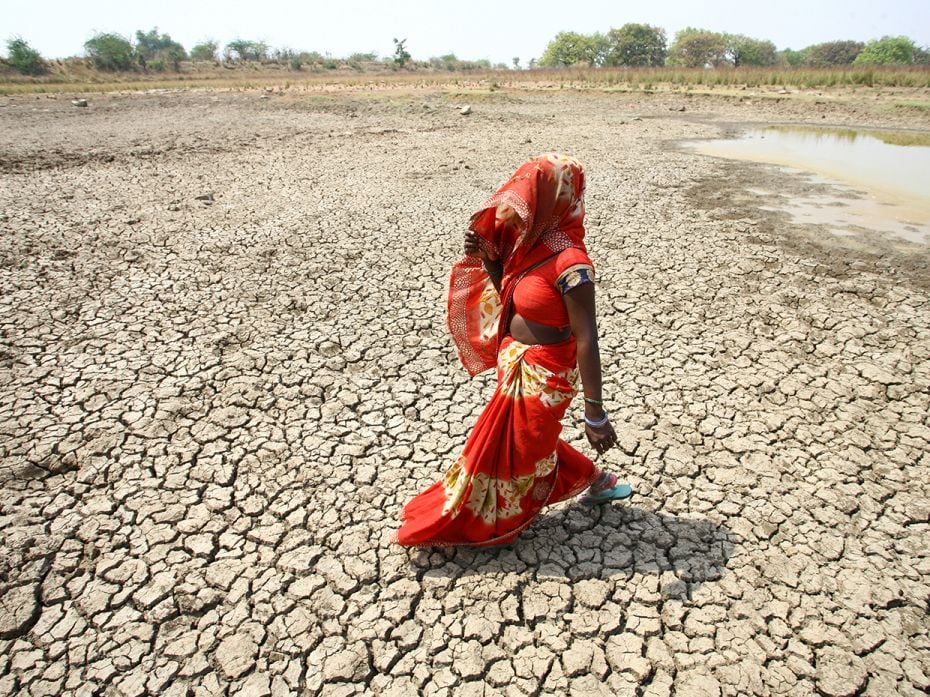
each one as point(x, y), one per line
point(601, 438)
point(473, 248)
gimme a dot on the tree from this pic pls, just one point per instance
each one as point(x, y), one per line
point(888, 50)
point(205, 51)
point(158, 49)
point(791, 57)
point(446, 62)
point(110, 52)
point(24, 58)
point(832, 53)
point(571, 48)
point(744, 50)
point(636, 45)
point(922, 56)
point(516, 62)
point(151, 43)
point(243, 50)
point(401, 56)
point(697, 48)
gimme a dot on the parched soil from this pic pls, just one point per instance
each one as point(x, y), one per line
point(224, 368)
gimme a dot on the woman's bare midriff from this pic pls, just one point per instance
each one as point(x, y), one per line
point(527, 332)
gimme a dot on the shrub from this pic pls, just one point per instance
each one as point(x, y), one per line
point(888, 50)
point(205, 51)
point(110, 51)
point(791, 57)
point(744, 50)
point(24, 58)
point(832, 53)
point(243, 50)
point(401, 56)
point(152, 45)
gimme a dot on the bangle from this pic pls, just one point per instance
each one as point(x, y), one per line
point(595, 402)
point(597, 424)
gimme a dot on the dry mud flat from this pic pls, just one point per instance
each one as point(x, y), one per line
point(224, 368)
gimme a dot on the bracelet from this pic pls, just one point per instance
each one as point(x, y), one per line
point(595, 402)
point(597, 424)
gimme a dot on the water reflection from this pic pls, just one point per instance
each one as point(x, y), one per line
point(888, 172)
point(903, 138)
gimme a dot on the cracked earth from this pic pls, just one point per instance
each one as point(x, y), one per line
point(224, 368)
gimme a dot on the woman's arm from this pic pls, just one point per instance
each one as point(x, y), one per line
point(581, 313)
point(494, 267)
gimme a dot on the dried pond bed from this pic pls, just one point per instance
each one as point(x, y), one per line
point(224, 368)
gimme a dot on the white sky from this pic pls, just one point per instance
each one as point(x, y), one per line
point(472, 29)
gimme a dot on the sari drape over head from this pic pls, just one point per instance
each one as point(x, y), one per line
point(513, 463)
point(538, 212)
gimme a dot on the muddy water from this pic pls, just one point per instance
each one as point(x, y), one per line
point(882, 178)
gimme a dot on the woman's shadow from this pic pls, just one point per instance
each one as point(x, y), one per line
point(579, 543)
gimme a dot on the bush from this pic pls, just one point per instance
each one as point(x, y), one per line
point(791, 57)
point(744, 50)
point(243, 50)
point(832, 53)
point(24, 58)
point(401, 55)
point(888, 50)
point(110, 52)
point(152, 45)
point(205, 51)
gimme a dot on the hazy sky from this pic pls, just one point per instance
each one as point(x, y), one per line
point(472, 29)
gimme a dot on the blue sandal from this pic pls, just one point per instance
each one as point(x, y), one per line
point(615, 493)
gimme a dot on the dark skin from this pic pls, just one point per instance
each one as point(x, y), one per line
point(583, 326)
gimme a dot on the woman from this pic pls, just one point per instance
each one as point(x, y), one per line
point(522, 299)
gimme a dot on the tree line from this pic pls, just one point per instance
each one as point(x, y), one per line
point(154, 51)
point(632, 45)
point(644, 45)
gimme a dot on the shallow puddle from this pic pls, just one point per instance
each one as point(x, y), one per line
point(885, 176)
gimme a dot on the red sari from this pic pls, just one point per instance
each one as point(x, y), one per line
point(513, 463)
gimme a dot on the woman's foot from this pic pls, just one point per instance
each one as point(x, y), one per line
point(606, 488)
point(606, 480)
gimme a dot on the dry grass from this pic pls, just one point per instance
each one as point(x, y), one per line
point(647, 78)
point(76, 77)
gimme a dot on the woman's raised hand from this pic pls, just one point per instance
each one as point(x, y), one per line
point(473, 248)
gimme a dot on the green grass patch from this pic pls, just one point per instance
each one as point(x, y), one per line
point(914, 104)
